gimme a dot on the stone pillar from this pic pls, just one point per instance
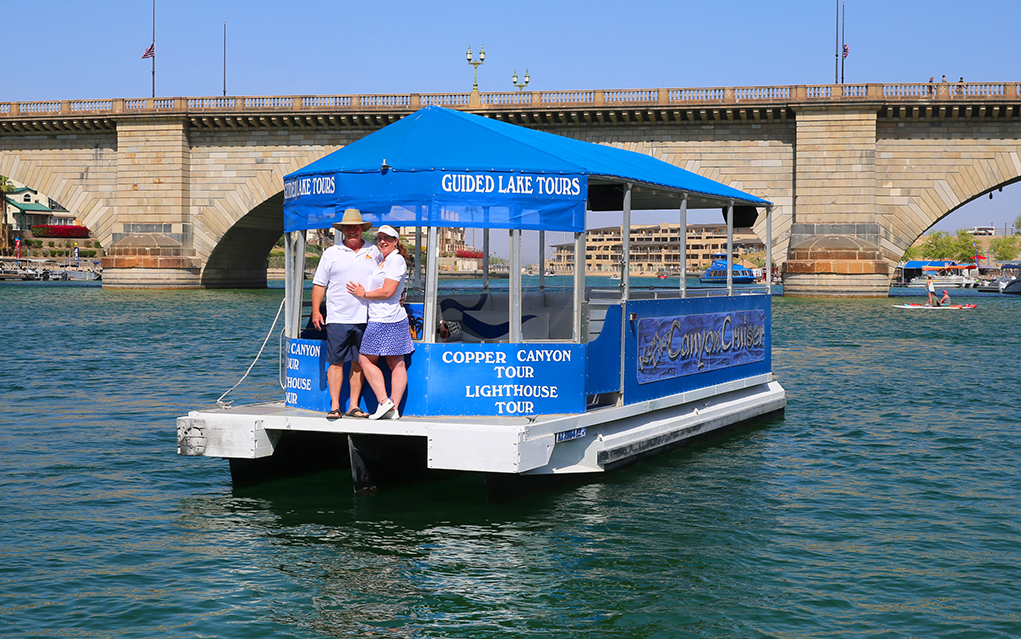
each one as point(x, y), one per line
point(151, 245)
point(834, 247)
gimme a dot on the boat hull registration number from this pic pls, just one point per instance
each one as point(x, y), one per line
point(568, 435)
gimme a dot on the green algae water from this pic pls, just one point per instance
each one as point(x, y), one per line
point(886, 503)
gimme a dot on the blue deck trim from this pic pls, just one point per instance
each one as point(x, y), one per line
point(602, 363)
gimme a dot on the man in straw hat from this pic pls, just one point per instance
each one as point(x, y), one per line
point(353, 260)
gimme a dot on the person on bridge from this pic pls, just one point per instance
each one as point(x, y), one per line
point(388, 333)
point(353, 260)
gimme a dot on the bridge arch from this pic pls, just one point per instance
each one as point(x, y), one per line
point(239, 258)
point(920, 191)
point(237, 218)
point(79, 173)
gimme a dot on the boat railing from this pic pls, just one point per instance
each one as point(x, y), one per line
point(613, 295)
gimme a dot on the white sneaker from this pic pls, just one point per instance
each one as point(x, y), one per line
point(394, 414)
point(383, 408)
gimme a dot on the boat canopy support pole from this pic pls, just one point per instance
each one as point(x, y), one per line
point(485, 260)
point(684, 245)
point(418, 260)
point(579, 286)
point(542, 260)
point(730, 248)
point(769, 250)
point(625, 284)
point(625, 253)
point(432, 278)
point(294, 275)
point(515, 286)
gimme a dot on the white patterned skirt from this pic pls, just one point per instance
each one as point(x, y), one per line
point(387, 339)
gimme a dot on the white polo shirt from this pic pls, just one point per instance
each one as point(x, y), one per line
point(338, 266)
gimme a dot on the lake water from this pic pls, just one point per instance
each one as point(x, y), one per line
point(886, 503)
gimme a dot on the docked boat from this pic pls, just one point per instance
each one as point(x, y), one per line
point(537, 385)
point(10, 270)
point(717, 272)
point(1009, 281)
point(944, 274)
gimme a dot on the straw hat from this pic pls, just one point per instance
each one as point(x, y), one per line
point(353, 217)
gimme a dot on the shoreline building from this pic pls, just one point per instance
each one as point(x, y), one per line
point(451, 239)
point(655, 248)
point(24, 207)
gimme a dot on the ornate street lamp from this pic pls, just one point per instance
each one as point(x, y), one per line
point(476, 63)
point(514, 80)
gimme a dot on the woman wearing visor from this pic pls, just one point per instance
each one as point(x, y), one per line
point(387, 333)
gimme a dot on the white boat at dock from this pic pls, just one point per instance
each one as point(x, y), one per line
point(945, 281)
point(538, 385)
point(944, 274)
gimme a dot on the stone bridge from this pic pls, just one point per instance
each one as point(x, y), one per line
point(187, 192)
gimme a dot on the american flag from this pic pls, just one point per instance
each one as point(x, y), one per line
point(847, 50)
point(151, 51)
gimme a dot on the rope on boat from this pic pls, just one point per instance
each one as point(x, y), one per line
point(223, 404)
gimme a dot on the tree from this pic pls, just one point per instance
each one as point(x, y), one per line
point(964, 246)
point(939, 246)
point(913, 253)
point(1017, 223)
point(1004, 248)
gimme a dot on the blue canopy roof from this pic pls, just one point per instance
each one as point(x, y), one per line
point(924, 263)
point(440, 167)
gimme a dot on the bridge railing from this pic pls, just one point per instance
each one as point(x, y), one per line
point(610, 98)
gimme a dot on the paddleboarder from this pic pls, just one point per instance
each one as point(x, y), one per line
point(931, 290)
point(944, 300)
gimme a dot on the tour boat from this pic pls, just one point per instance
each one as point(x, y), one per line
point(717, 272)
point(538, 385)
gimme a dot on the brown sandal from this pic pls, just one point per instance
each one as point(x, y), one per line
point(356, 412)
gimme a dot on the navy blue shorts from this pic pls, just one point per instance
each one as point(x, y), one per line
point(342, 342)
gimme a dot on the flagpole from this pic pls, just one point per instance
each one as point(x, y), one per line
point(843, 39)
point(836, 54)
point(154, 48)
point(224, 58)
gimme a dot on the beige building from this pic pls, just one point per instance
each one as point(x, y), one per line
point(654, 248)
point(451, 239)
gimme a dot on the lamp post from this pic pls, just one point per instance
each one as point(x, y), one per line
point(476, 63)
point(514, 80)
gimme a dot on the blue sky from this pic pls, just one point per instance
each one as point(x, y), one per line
point(78, 50)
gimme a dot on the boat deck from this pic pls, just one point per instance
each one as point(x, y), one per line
point(584, 442)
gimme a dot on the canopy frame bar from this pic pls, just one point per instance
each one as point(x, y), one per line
point(684, 245)
point(432, 279)
point(730, 248)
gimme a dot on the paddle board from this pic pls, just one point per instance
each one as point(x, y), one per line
point(936, 308)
